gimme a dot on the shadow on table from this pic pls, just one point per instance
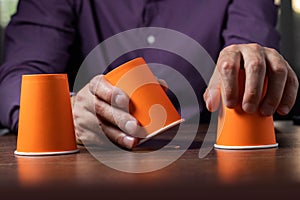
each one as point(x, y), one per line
point(165, 138)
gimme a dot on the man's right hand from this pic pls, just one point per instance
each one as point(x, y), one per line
point(101, 108)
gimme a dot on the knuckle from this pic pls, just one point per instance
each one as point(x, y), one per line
point(108, 94)
point(233, 47)
point(78, 122)
point(119, 139)
point(93, 83)
point(256, 65)
point(256, 46)
point(279, 69)
point(78, 132)
point(76, 115)
point(80, 97)
point(271, 51)
point(232, 50)
point(99, 87)
point(256, 70)
point(99, 108)
point(76, 112)
point(228, 68)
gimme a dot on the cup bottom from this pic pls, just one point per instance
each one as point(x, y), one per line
point(159, 131)
point(52, 153)
point(245, 147)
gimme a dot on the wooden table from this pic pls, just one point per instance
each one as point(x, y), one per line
point(246, 174)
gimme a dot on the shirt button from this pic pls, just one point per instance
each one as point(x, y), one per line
point(150, 39)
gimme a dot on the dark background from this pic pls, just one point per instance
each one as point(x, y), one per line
point(288, 26)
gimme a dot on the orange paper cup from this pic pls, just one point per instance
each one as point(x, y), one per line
point(240, 130)
point(45, 120)
point(149, 103)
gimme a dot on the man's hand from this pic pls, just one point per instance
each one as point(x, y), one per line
point(101, 109)
point(258, 62)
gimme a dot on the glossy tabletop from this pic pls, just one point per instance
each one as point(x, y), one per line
point(244, 173)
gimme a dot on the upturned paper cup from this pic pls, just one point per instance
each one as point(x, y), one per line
point(45, 120)
point(240, 130)
point(149, 103)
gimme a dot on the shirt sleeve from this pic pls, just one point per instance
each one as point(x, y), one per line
point(37, 40)
point(252, 21)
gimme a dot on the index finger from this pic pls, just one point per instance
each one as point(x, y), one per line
point(112, 95)
point(228, 65)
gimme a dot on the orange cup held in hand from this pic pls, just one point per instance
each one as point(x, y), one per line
point(45, 120)
point(149, 103)
point(240, 130)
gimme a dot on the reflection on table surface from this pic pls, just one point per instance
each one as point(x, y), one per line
point(275, 170)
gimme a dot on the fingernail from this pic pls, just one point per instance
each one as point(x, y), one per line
point(267, 110)
point(121, 100)
point(283, 110)
point(249, 107)
point(130, 126)
point(129, 142)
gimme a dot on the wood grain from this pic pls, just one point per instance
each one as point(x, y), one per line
point(268, 172)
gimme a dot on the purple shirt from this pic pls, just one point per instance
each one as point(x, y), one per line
point(54, 36)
